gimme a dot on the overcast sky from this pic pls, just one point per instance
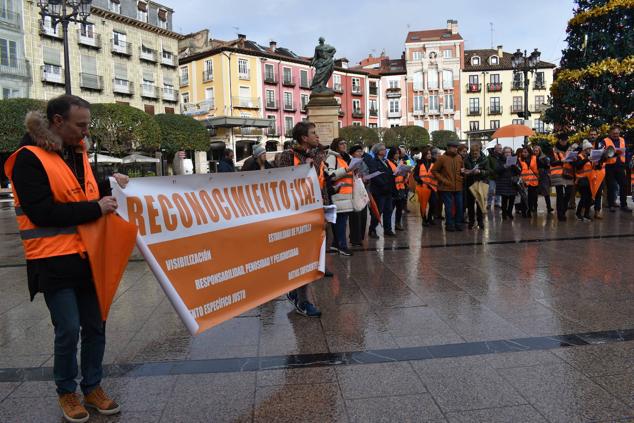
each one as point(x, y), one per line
point(359, 27)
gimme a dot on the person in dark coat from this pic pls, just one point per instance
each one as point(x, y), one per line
point(477, 169)
point(226, 164)
point(506, 182)
point(543, 166)
point(381, 188)
point(258, 161)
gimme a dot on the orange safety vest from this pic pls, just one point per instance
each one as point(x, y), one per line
point(586, 170)
point(428, 177)
point(565, 169)
point(320, 173)
point(346, 182)
point(609, 143)
point(42, 242)
point(399, 181)
point(530, 172)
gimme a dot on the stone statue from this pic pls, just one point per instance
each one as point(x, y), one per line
point(324, 64)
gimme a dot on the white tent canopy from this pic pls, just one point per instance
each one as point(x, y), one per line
point(138, 158)
point(102, 158)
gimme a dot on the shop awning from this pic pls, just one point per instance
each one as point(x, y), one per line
point(237, 122)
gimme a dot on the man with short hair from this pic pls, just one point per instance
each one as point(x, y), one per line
point(226, 164)
point(448, 171)
point(54, 192)
point(615, 174)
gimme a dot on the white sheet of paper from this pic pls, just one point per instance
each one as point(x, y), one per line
point(372, 175)
point(402, 170)
point(511, 160)
point(596, 155)
point(330, 213)
point(571, 156)
point(355, 163)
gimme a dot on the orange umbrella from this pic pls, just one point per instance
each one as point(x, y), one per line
point(510, 131)
point(374, 209)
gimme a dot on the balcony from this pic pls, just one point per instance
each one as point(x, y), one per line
point(167, 59)
point(357, 113)
point(271, 105)
point(246, 102)
point(494, 110)
point(288, 82)
point(148, 54)
point(149, 91)
point(16, 67)
point(89, 81)
point(121, 47)
point(374, 90)
point(11, 19)
point(337, 88)
point(122, 86)
point(393, 93)
point(539, 85)
point(374, 113)
point(208, 75)
point(289, 107)
point(433, 111)
point(170, 94)
point(537, 108)
point(357, 90)
point(494, 87)
point(394, 115)
point(53, 74)
point(474, 88)
point(245, 76)
point(269, 78)
point(517, 86)
point(517, 108)
point(50, 32)
point(475, 111)
point(92, 41)
point(200, 108)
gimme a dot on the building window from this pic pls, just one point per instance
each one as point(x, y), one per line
point(518, 79)
point(417, 55)
point(303, 79)
point(356, 85)
point(449, 125)
point(394, 83)
point(474, 105)
point(447, 54)
point(418, 103)
point(373, 108)
point(474, 79)
point(269, 73)
point(209, 94)
point(518, 104)
point(185, 97)
point(494, 60)
point(243, 69)
point(141, 11)
point(539, 126)
point(433, 103)
point(373, 125)
point(395, 106)
point(52, 65)
point(448, 103)
point(433, 125)
point(119, 39)
point(447, 80)
point(356, 106)
point(495, 78)
point(336, 83)
point(540, 80)
point(8, 53)
point(474, 125)
point(475, 61)
point(432, 79)
point(208, 71)
point(162, 18)
point(356, 123)
point(288, 75)
point(418, 81)
point(10, 93)
point(495, 105)
point(304, 98)
point(114, 6)
point(288, 125)
point(87, 30)
point(288, 101)
point(518, 122)
point(184, 75)
point(495, 124)
point(270, 98)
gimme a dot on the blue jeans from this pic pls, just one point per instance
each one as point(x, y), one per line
point(72, 310)
point(384, 204)
point(453, 199)
point(340, 230)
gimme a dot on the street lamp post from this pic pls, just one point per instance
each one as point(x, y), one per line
point(64, 12)
point(525, 64)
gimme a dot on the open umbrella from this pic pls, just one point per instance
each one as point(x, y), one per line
point(374, 209)
point(510, 131)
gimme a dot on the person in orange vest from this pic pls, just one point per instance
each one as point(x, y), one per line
point(615, 173)
point(562, 175)
point(306, 150)
point(584, 168)
point(597, 144)
point(530, 176)
point(399, 195)
point(54, 191)
point(342, 179)
point(427, 187)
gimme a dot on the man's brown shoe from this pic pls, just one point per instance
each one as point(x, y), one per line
point(73, 411)
point(101, 402)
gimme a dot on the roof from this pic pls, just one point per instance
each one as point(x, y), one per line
point(431, 35)
point(504, 63)
point(388, 67)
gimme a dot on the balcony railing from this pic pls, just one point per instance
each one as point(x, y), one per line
point(148, 55)
point(16, 67)
point(11, 18)
point(374, 112)
point(494, 87)
point(495, 110)
point(91, 82)
point(288, 82)
point(515, 86)
point(357, 90)
point(539, 85)
point(474, 88)
point(121, 47)
point(208, 75)
point(168, 60)
point(244, 75)
point(517, 108)
point(419, 112)
point(200, 108)
point(448, 110)
point(475, 111)
point(122, 86)
point(338, 88)
point(53, 75)
point(392, 115)
point(49, 31)
point(246, 102)
point(93, 40)
point(170, 94)
point(289, 107)
point(357, 113)
point(271, 105)
point(269, 78)
point(433, 111)
point(393, 93)
point(149, 91)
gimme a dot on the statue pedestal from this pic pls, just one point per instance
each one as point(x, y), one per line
point(323, 111)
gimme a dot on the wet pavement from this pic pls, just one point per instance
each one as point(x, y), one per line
point(529, 321)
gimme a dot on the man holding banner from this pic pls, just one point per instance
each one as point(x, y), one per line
point(55, 192)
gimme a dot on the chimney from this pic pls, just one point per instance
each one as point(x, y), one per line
point(273, 46)
point(452, 25)
point(242, 37)
point(500, 52)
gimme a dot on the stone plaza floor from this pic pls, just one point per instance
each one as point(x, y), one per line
point(529, 321)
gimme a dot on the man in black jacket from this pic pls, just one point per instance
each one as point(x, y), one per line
point(381, 188)
point(65, 280)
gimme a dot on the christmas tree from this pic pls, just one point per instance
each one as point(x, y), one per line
point(595, 84)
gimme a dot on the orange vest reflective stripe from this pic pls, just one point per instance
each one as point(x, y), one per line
point(609, 143)
point(562, 169)
point(530, 172)
point(399, 181)
point(42, 242)
point(586, 170)
point(320, 173)
point(346, 182)
point(427, 177)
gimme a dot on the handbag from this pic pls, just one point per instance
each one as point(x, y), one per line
point(360, 197)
